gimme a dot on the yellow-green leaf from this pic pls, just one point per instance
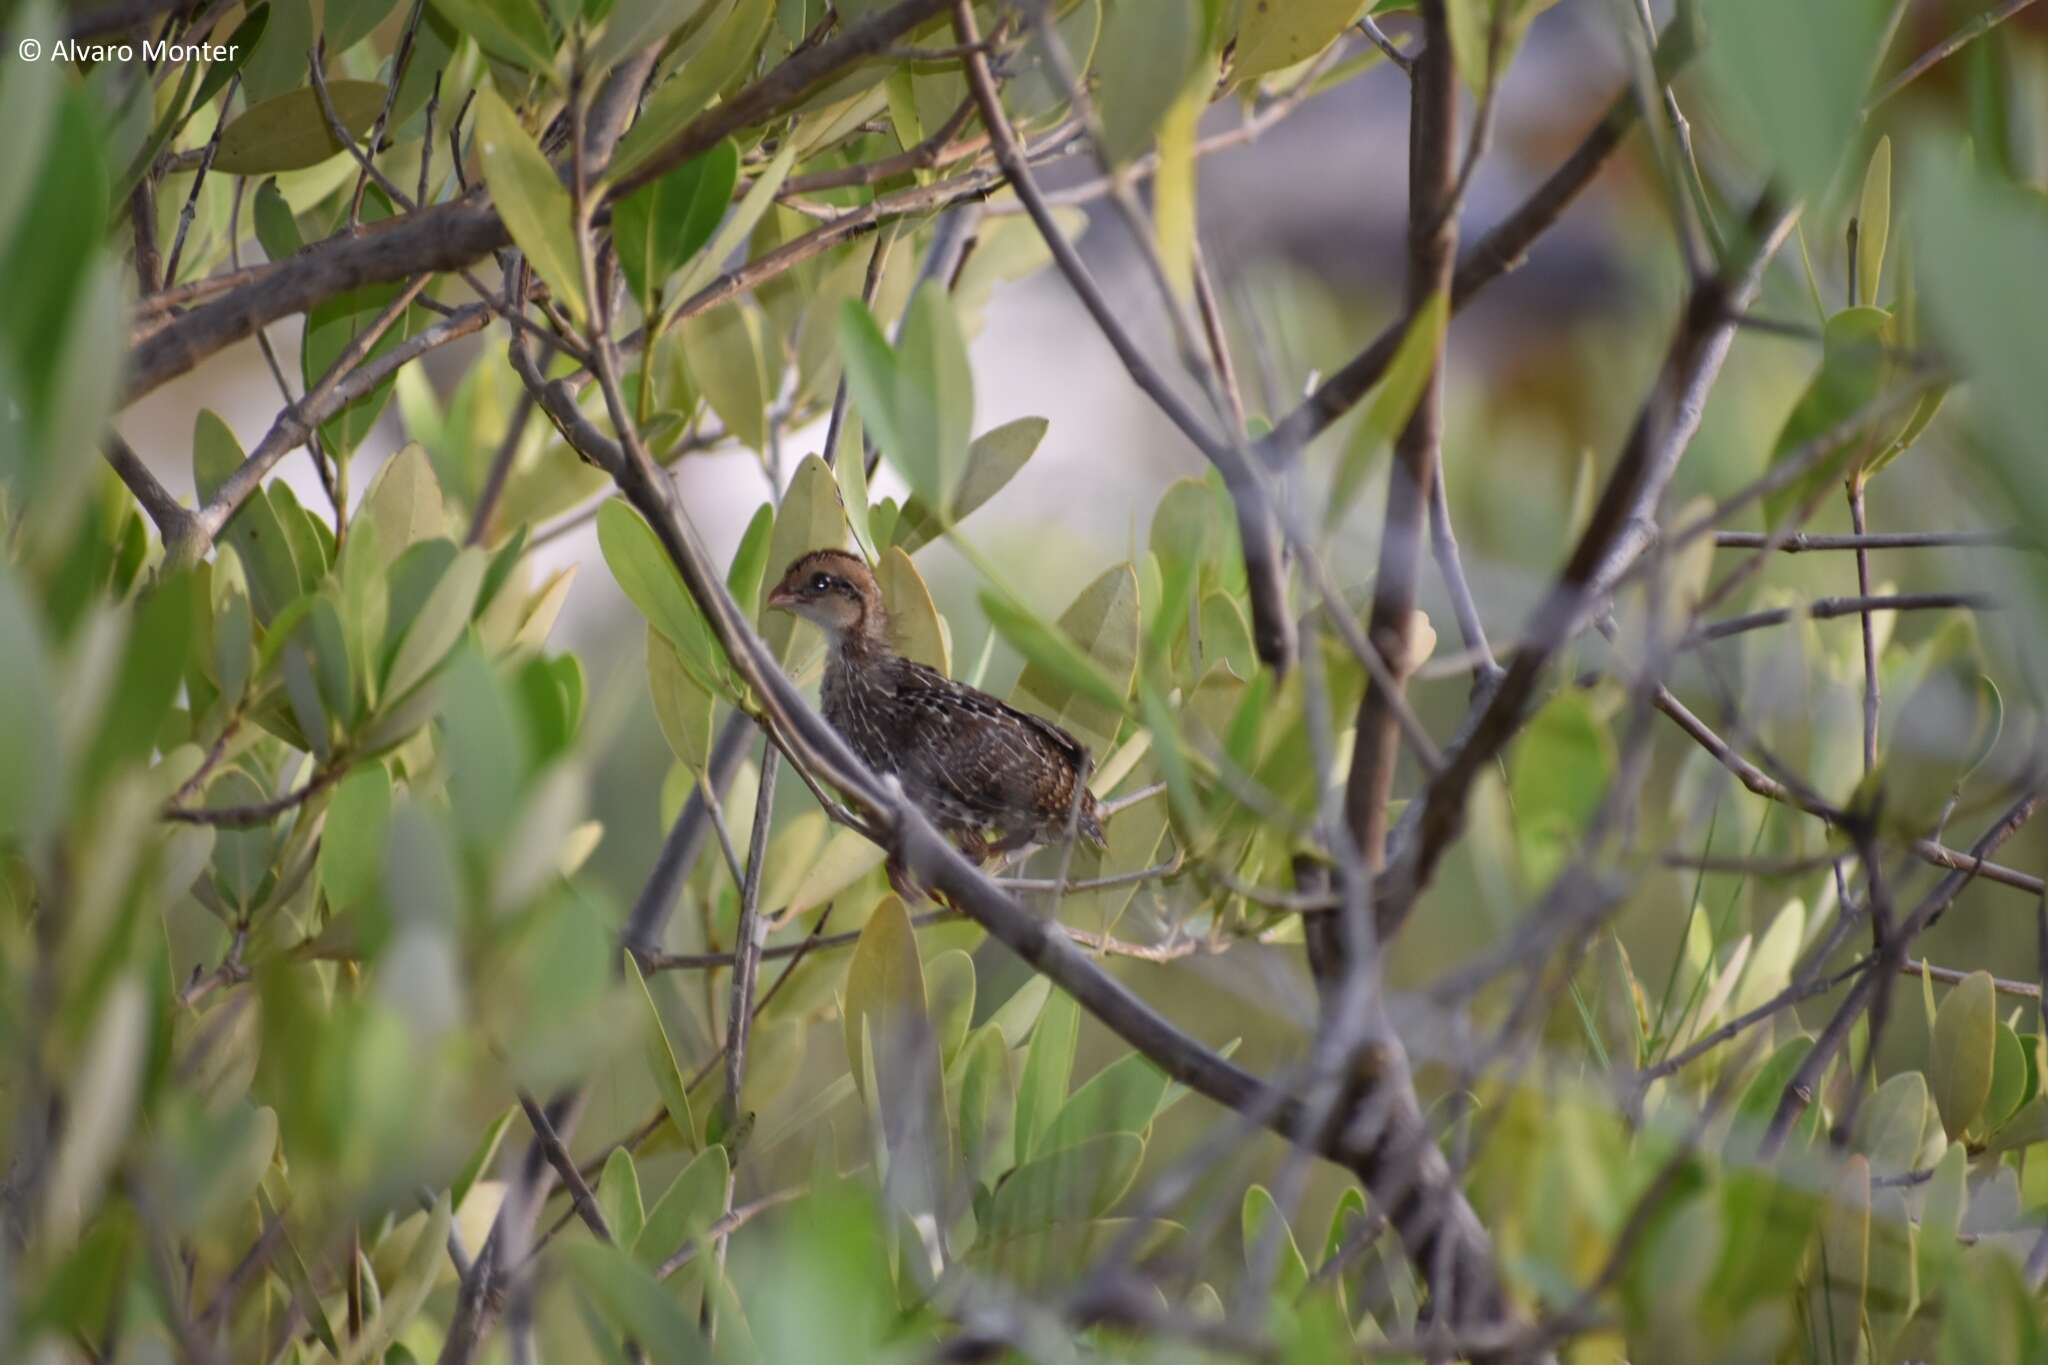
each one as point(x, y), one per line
point(1393, 402)
point(1874, 221)
point(728, 360)
point(531, 200)
point(1965, 1052)
point(1274, 34)
point(289, 132)
point(913, 618)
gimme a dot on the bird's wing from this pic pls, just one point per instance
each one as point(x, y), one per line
point(976, 752)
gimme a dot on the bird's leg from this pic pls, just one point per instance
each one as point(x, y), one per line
point(903, 883)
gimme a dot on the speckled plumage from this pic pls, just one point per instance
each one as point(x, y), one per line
point(991, 777)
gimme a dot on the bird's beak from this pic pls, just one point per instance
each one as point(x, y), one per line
point(782, 599)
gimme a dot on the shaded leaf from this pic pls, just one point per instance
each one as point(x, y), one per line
point(287, 132)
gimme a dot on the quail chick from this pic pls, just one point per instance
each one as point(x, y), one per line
point(990, 777)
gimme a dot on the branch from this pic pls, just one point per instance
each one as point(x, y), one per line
point(1662, 431)
point(262, 813)
point(1825, 608)
point(457, 234)
point(1432, 244)
point(185, 538)
point(748, 936)
point(341, 385)
point(1258, 529)
point(1948, 47)
point(1803, 543)
point(1496, 253)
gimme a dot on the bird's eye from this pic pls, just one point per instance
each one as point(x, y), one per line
point(820, 582)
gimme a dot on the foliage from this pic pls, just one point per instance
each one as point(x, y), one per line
point(348, 1011)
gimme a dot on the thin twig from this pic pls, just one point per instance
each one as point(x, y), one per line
point(1825, 608)
point(1976, 28)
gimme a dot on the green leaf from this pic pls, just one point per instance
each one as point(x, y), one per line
point(1979, 245)
point(1965, 1052)
point(240, 45)
point(441, 620)
point(352, 840)
point(1123, 1097)
point(720, 51)
point(949, 999)
point(1770, 965)
point(661, 225)
point(1016, 1017)
point(810, 518)
point(693, 1202)
point(634, 1302)
point(916, 400)
point(1261, 1218)
point(480, 1159)
point(1792, 79)
point(152, 668)
point(988, 1102)
point(1989, 1316)
point(727, 354)
point(277, 230)
point(347, 25)
point(215, 453)
point(1062, 667)
point(1271, 37)
point(1841, 1274)
point(682, 707)
point(1558, 771)
point(289, 132)
point(404, 504)
point(668, 1073)
point(1393, 403)
point(513, 31)
point(1048, 1063)
point(992, 461)
point(934, 395)
point(1075, 1184)
point(649, 578)
point(1081, 674)
point(890, 1045)
point(1874, 220)
point(29, 96)
point(913, 618)
point(618, 1197)
point(101, 1094)
point(750, 560)
point(1851, 373)
point(530, 199)
point(884, 981)
point(1147, 53)
point(852, 470)
point(740, 224)
point(2008, 1081)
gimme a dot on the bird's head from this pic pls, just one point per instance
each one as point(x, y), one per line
point(834, 591)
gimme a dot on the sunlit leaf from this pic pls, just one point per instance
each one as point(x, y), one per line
point(530, 199)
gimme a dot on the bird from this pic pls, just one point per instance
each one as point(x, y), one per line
point(992, 779)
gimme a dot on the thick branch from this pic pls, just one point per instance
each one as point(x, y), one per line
point(1432, 243)
point(457, 234)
